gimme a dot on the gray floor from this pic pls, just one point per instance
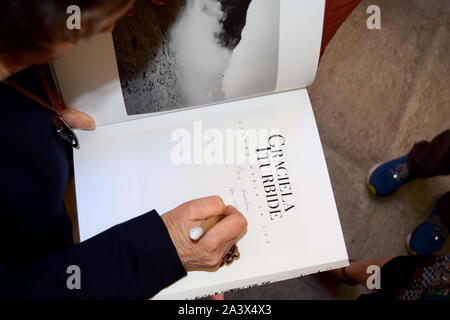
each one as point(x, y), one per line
point(375, 95)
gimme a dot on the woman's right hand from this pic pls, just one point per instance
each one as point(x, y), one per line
point(208, 252)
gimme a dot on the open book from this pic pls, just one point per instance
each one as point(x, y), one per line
point(229, 69)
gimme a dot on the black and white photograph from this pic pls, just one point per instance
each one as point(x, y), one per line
point(196, 52)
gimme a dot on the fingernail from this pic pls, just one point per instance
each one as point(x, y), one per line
point(88, 123)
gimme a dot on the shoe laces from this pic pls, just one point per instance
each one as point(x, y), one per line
point(400, 172)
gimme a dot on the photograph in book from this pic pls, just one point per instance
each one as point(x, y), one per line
point(196, 52)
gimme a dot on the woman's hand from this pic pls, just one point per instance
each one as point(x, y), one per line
point(208, 252)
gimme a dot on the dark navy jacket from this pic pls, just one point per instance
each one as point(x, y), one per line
point(133, 260)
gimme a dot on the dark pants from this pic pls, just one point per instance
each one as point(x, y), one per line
point(415, 277)
point(429, 159)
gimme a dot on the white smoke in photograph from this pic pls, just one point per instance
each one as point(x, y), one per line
point(254, 64)
point(200, 60)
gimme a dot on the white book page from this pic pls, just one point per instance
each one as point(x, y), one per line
point(127, 169)
point(120, 76)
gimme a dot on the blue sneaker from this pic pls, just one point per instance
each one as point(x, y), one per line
point(428, 237)
point(386, 178)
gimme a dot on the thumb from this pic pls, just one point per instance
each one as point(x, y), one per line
point(77, 119)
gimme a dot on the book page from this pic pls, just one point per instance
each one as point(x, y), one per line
point(262, 155)
point(192, 53)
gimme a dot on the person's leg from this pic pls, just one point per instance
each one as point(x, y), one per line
point(357, 270)
point(415, 277)
point(428, 159)
point(401, 277)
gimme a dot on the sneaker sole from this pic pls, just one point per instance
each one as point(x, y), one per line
point(408, 240)
point(370, 187)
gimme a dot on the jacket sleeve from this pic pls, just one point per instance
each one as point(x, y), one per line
point(133, 260)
